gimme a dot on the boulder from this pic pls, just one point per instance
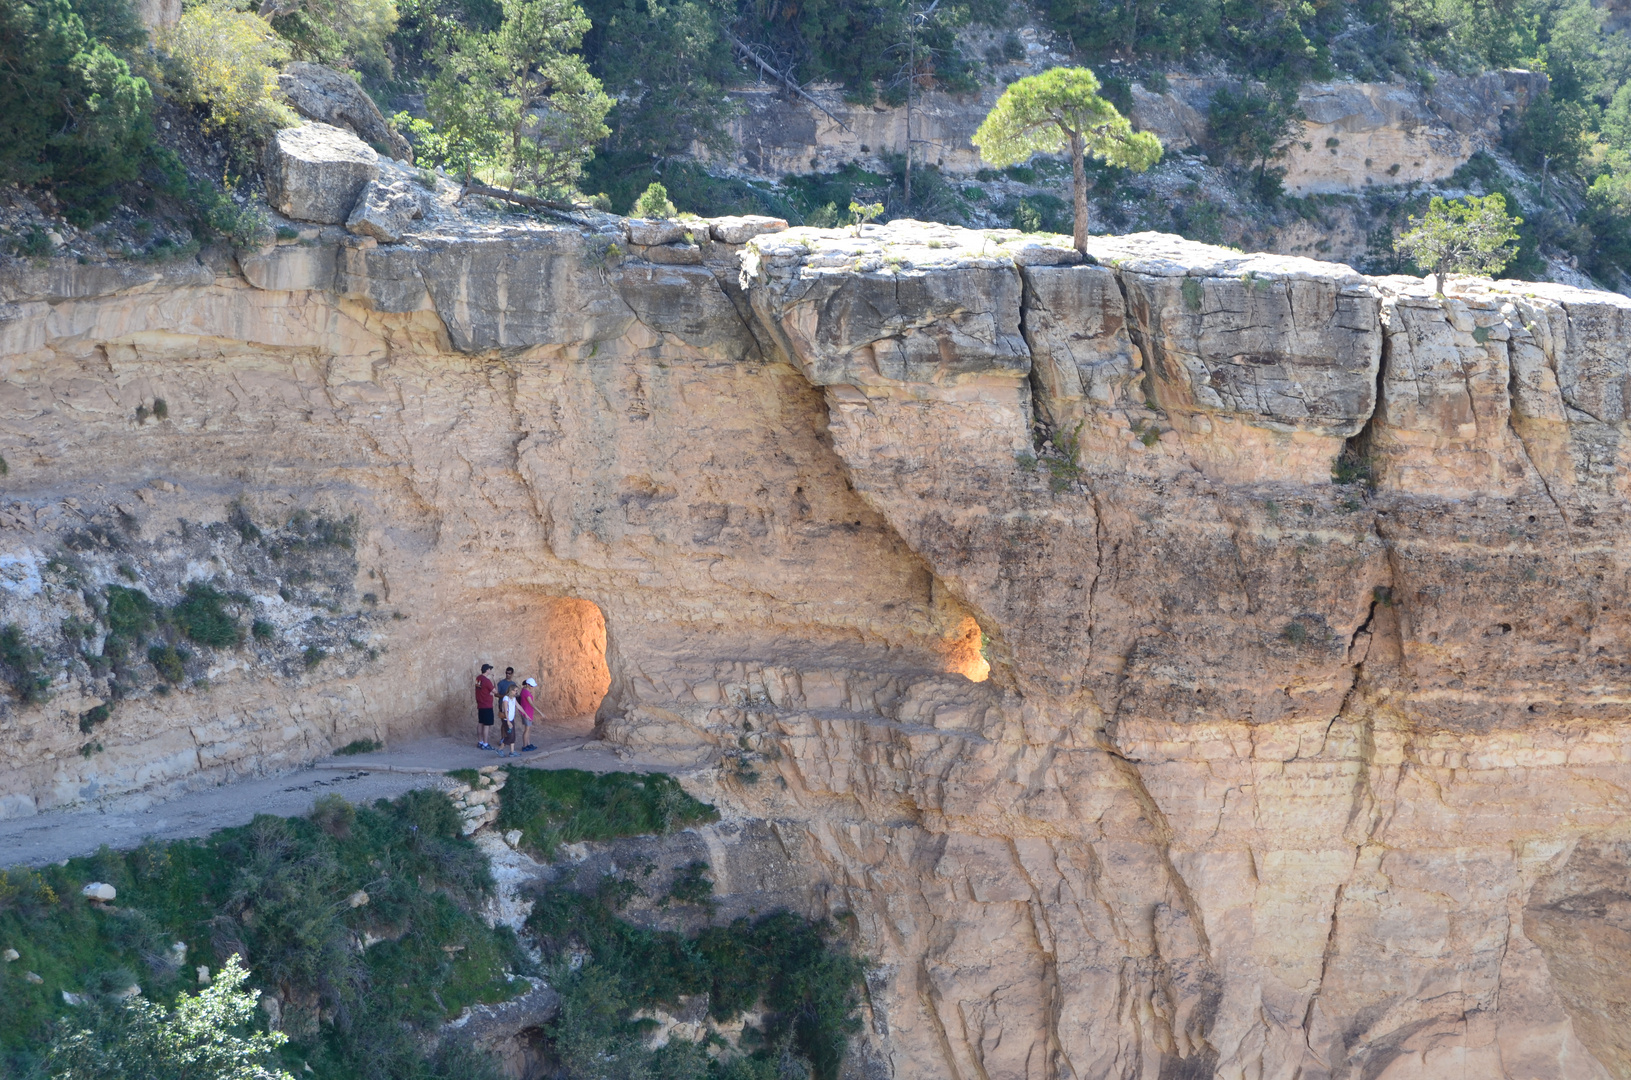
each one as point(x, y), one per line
point(739, 230)
point(316, 173)
point(674, 254)
point(331, 97)
point(386, 210)
point(648, 231)
point(99, 890)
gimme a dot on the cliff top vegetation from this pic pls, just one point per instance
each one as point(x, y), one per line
point(99, 116)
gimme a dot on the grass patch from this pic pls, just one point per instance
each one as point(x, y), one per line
point(360, 746)
point(277, 891)
point(562, 806)
point(1353, 466)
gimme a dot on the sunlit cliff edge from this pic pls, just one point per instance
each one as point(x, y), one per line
point(1137, 744)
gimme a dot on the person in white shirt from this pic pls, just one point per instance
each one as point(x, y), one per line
point(506, 747)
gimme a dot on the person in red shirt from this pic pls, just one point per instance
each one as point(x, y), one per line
point(524, 700)
point(484, 707)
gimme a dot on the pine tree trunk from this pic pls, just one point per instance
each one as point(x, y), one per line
point(1078, 175)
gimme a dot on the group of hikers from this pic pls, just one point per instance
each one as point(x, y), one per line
point(514, 708)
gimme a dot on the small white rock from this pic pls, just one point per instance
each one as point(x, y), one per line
point(71, 999)
point(203, 975)
point(99, 890)
point(512, 838)
point(356, 899)
point(10, 955)
point(34, 978)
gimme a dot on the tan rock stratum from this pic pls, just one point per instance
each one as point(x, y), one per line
point(1013, 591)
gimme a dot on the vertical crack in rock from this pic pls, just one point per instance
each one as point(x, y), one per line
point(1513, 421)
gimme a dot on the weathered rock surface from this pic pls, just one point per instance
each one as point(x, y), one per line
point(386, 211)
point(328, 97)
point(316, 172)
point(1259, 775)
point(331, 97)
point(1359, 135)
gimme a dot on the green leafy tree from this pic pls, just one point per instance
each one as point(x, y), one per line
point(1059, 110)
point(1162, 28)
point(207, 1036)
point(668, 65)
point(1255, 128)
point(348, 34)
point(72, 116)
point(654, 203)
point(1553, 135)
point(226, 61)
point(1469, 236)
point(520, 100)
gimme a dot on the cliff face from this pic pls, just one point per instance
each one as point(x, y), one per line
point(1258, 775)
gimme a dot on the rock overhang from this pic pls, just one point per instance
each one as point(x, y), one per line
point(1288, 344)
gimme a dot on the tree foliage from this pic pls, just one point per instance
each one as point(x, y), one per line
point(207, 1036)
point(346, 34)
point(1254, 127)
point(519, 100)
point(226, 62)
point(1469, 236)
point(654, 203)
point(73, 118)
point(1061, 110)
point(667, 65)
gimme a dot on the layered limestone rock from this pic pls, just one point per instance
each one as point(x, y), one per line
point(1356, 136)
point(1359, 135)
point(1010, 591)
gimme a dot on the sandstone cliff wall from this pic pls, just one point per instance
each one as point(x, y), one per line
point(1267, 777)
point(1357, 136)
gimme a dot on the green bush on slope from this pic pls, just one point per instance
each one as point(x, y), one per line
point(73, 118)
point(806, 981)
point(276, 891)
point(562, 806)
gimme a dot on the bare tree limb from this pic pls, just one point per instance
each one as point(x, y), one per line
point(560, 209)
point(749, 54)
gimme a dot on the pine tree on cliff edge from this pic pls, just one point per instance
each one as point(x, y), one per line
point(1468, 236)
point(1061, 109)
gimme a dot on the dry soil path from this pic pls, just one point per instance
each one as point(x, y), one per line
point(126, 822)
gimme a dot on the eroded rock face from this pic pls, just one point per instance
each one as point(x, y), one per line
point(1260, 775)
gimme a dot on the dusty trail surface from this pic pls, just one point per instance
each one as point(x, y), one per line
point(127, 821)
